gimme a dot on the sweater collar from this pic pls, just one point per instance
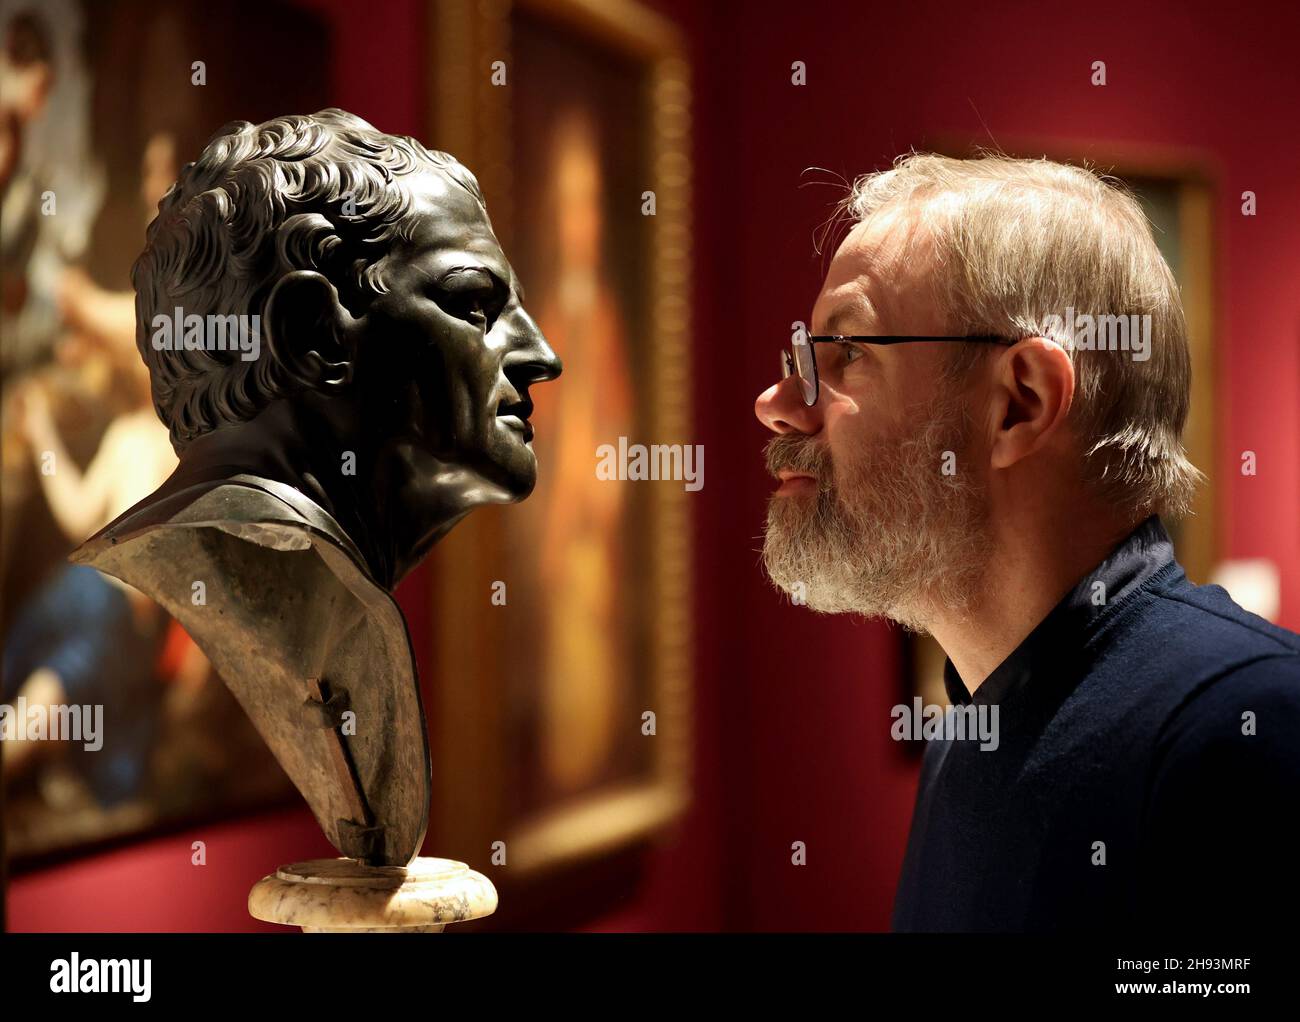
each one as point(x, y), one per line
point(1058, 639)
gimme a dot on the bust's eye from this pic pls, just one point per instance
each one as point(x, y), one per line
point(470, 294)
point(467, 304)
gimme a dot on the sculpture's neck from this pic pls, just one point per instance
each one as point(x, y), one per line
point(363, 483)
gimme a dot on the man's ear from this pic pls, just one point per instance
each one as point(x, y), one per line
point(309, 332)
point(1033, 390)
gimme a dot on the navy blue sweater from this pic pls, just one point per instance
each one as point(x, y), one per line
point(1146, 776)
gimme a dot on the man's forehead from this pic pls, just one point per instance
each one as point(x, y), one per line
point(871, 273)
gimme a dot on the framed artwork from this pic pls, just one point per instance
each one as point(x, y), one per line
point(560, 699)
point(1177, 194)
point(104, 110)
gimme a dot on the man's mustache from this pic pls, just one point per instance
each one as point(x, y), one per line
point(799, 453)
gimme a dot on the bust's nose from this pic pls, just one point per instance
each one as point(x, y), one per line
point(531, 359)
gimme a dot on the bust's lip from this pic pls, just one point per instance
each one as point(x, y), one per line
point(515, 422)
point(515, 416)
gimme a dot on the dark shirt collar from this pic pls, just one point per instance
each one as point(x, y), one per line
point(1063, 633)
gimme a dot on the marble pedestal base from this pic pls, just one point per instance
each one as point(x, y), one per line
point(347, 896)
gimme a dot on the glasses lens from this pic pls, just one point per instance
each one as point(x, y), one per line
point(803, 362)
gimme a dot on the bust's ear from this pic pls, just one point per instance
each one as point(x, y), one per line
point(309, 332)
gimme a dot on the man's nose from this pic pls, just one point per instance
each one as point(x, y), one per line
point(781, 409)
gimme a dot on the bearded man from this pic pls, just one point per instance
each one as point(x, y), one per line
point(955, 456)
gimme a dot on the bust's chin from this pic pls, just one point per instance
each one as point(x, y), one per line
point(516, 472)
point(501, 475)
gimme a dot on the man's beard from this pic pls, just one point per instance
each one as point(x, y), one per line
point(889, 534)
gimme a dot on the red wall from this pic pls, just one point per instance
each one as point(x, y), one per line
point(882, 79)
point(792, 709)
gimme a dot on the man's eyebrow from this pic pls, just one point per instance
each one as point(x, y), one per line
point(837, 321)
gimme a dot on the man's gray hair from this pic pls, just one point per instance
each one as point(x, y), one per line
point(303, 192)
point(1018, 244)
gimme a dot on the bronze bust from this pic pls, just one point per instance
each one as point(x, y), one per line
point(384, 395)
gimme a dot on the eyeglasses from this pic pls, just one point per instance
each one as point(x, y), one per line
point(800, 358)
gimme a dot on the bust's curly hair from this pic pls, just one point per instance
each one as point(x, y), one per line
point(262, 201)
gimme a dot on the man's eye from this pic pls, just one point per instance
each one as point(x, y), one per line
point(849, 352)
